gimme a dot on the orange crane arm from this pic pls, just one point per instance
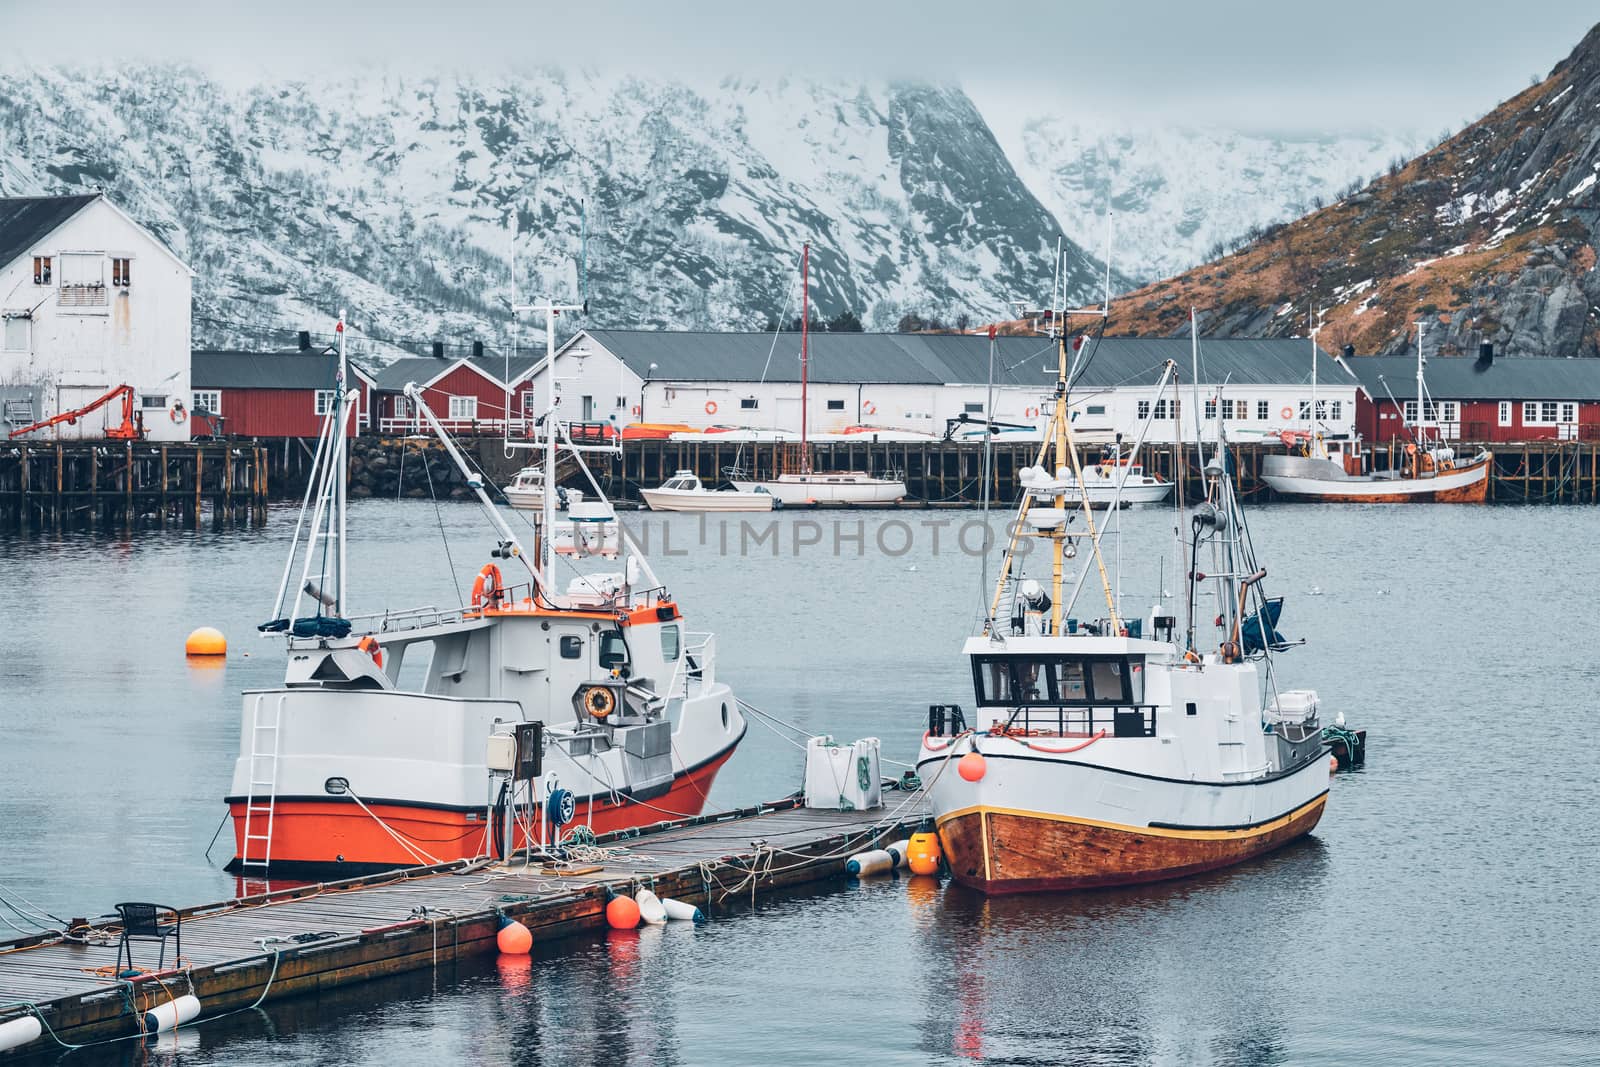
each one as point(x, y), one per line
point(129, 430)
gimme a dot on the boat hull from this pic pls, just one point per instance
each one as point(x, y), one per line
point(998, 851)
point(1290, 476)
point(827, 489)
point(315, 835)
point(709, 500)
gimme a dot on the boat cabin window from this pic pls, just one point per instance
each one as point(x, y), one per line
point(1012, 681)
point(613, 650)
point(670, 643)
point(675, 483)
point(571, 647)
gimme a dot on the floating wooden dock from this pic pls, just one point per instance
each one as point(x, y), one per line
point(240, 953)
point(125, 484)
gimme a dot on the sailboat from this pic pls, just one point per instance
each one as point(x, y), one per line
point(436, 734)
point(806, 486)
point(1318, 469)
point(1108, 749)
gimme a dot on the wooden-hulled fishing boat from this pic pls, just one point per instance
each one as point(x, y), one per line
point(1315, 468)
point(430, 735)
point(1115, 750)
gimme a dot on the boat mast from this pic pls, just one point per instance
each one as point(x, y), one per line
point(1422, 398)
point(805, 354)
point(341, 461)
point(1316, 416)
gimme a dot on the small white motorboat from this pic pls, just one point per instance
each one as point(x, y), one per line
point(829, 487)
point(685, 492)
point(526, 492)
point(1101, 482)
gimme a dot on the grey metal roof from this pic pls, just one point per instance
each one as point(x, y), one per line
point(26, 219)
point(1464, 378)
point(292, 369)
point(419, 369)
point(955, 359)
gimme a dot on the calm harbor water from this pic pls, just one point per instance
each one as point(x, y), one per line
point(1442, 913)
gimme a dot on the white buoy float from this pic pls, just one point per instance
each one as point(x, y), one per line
point(877, 861)
point(901, 851)
point(176, 1012)
point(650, 907)
point(678, 911)
point(15, 1033)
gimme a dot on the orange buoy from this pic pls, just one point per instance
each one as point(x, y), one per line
point(206, 641)
point(514, 939)
point(972, 766)
point(622, 913)
point(924, 853)
point(1333, 764)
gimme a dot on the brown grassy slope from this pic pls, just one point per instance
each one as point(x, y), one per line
point(1483, 235)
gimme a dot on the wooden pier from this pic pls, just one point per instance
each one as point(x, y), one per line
point(127, 484)
point(315, 938)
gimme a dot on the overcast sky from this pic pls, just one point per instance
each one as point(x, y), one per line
point(1352, 64)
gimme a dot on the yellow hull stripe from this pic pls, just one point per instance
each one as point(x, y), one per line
point(985, 810)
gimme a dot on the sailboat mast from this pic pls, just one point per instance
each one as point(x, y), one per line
point(1422, 397)
point(1059, 425)
point(547, 507)
point(1316, 415)
point(805, 353)
point(341, 455)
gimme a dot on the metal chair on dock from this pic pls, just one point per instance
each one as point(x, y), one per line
point(141, 922)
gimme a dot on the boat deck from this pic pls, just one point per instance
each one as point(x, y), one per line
point(239, 953)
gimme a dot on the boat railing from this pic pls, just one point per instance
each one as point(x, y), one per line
point(696, 668)
point(1116, 720)
point(387, 622)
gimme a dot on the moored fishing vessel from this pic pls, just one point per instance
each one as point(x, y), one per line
point(1316, 468)
point(428, 735)
point(525, 491)
point(684, 492)
point(1114, 477)
point(1116, 750)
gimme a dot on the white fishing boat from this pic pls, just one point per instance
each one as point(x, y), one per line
point(525, 492)
point(1114, 478)
point(437, 734)
point(806, 486)
point(685, 492)
point(1110, 749)
point(1318, 468)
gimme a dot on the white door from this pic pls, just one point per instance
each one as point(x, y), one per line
point(94, 424)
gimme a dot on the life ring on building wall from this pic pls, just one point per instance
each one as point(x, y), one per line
point(636, 411)
point(177, 412)
point(1287, 412)
point(869, 408)
point(711, 407)
point(369, 645)
point(487, 586)
point(1030, 413)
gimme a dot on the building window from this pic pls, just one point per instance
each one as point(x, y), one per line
point(463, 408)
point(41, 270)
point(972, 408)
point(530, 406)
point(121, 273)
point(1263, 410)
point(1569, 413)
point(153, 401)
point(1336, 410)
point(323, 401)
point(1166, 409)
point(1097, 409)
point(749, 403)
point(16, 333)
point(836, 405)
point(1211, 408)
point(207, 400)
point(1505, 413)
point(1144, 410)
point(622, 402)
point(1304, 407)
point(401, 407)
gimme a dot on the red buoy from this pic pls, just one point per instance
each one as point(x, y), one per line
point(622, 913)
point(972, 766)
point(514, 939)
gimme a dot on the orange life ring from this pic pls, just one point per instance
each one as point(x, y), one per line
point(178, 413)
point(711, 407)
point(487, 586)
point(1030, 413)
point(599, 701)
point(369, 645)
point(869, 408)
point(1287, 412)
point(636, 411)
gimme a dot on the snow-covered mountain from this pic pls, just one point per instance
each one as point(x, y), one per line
point(395, 195)
point(1180, 195)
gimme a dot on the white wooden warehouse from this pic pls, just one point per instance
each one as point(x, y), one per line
point(90, 300)
point(919, 381)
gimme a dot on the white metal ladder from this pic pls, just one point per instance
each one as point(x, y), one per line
point(264, 735)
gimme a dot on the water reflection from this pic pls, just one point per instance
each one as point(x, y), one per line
point(1122, 975)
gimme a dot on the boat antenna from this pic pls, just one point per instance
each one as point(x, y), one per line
point(988, 468)
point(1194, 359)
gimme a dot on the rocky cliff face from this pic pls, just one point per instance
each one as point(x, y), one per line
point(1490, 236)
point(397, 196)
